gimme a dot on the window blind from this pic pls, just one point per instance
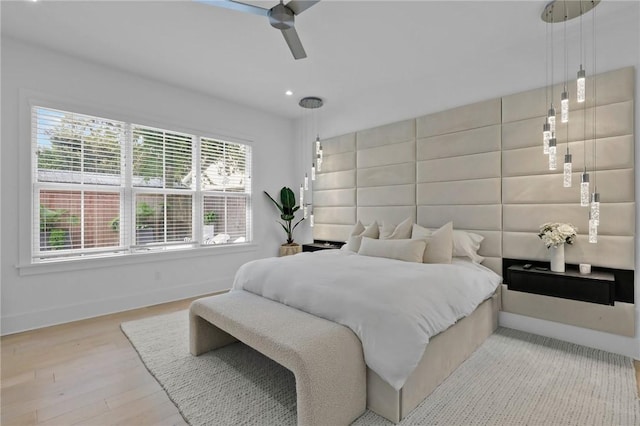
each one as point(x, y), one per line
point(89, 200)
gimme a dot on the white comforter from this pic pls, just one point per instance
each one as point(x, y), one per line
point(394, 307)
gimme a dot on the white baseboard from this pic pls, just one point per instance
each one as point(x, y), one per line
point(627, 346)
point(94, 308)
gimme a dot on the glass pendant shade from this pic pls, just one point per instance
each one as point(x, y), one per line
point(566, 178)
point(595, 208)
point(311, 219)
point(584, 190)
point(551, 119)
point(564, 106)
point(546, 135)
point(552, 154)
point(313, 171)
point(305, 211)
point(580, 86)
point(593, 230)
point(318, 163)
point(317, 145)
point(301, 195)
point(320, 152)
point(306, 182)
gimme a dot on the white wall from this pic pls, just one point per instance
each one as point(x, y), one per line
point(36, 297)
point(502, 73)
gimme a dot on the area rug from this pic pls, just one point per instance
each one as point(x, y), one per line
point(514, 378)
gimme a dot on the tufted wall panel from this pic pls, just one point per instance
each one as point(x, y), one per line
point(458, 173)
point(334, 190)
point(386, 173)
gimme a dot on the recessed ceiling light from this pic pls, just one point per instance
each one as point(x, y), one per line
point(288, 93)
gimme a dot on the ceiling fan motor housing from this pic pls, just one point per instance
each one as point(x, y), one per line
point(281, 17)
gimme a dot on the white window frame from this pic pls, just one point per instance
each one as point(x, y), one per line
point(27, 265)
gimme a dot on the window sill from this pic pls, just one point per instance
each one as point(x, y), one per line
point(131, 259)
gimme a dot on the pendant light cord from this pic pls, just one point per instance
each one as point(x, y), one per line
point(595, 143)
point(566, 65)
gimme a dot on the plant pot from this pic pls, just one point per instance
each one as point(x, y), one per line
point(208, 232)
point(289, 249)
point(145, 236)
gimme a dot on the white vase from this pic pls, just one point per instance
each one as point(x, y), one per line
point(557, 258)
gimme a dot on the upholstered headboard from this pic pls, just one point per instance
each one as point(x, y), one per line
point(482, 167)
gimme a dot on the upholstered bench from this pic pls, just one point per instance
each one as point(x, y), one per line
point(325, 357)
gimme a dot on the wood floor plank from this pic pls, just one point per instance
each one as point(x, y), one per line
point(76, 415)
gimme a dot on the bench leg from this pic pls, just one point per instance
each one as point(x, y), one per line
point(204, 336)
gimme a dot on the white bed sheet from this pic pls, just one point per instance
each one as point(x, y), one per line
point(394, 307)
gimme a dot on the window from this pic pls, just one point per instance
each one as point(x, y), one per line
point(89, 199)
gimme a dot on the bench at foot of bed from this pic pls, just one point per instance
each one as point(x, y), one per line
point(325, 357)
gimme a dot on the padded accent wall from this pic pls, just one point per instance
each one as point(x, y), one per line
point(482, 167)
point(334, 191)
point(386, 173)
point(532, 195)
point(458, 173)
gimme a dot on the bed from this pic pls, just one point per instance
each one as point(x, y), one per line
point(402, 369)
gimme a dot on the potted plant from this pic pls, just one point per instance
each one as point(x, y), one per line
point(55, 227)
point(288, 209)
point(208, 228)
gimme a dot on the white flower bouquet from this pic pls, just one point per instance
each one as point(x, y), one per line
point(556, 234)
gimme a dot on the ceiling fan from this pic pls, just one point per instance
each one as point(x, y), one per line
point(281, 16)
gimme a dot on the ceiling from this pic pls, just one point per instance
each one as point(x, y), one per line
point(353, 47)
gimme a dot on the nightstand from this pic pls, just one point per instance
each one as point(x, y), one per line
point(597, 287)
point(321, 245)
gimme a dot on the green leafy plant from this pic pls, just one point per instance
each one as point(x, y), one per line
point(209, 217)
point(55, 227)
point(288, 209)
point(57, 238)
point(51, 219)
point(145, 215)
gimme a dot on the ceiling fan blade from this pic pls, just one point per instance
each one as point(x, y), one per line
point(295, 45)
point(237, 6)
point(299, 6)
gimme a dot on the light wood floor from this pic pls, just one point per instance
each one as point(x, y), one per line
point(86, 372)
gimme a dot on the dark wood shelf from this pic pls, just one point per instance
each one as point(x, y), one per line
point(321, 245)
point(597, 287)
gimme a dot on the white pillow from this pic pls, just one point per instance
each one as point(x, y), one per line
point(467, 244)
point(393, 232)
point(359, 231)
point(439, 242)
point(406, 250)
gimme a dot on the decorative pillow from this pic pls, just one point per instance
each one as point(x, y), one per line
point(393, 232)
point(439, 242)
point(467, 244)
point(359, 231)
point(399, 249)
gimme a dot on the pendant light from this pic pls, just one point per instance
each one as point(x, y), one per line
point(564, 97)
point(552, 154)
point(551, 114)
point(566, 178)
point(311, 103)
point(581, 93)
point(546, 128)
point(594, 212)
